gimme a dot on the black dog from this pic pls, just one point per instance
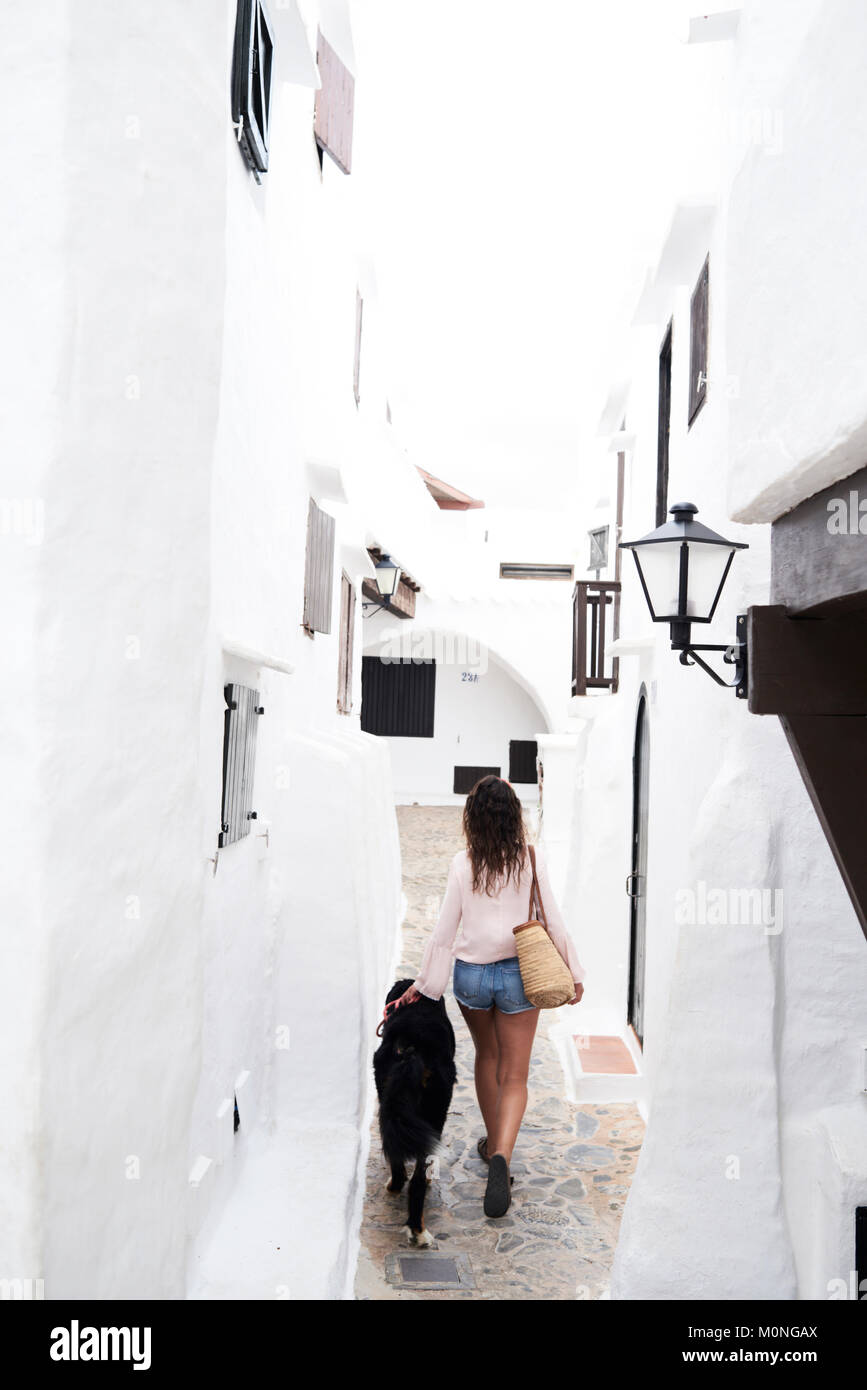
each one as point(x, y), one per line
point(415, 1075)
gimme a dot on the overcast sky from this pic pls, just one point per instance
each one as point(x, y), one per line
point(518, 161)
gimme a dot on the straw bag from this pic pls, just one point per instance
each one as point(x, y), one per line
point(546, 977)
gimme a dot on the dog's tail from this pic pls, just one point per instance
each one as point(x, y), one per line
point(405, 1134)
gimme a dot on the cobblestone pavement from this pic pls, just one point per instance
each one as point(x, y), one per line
point(572, 1163)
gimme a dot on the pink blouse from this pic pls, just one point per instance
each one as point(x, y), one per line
point(486, 924)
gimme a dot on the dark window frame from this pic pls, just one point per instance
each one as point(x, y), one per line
point(252, 81)
point(663, 424)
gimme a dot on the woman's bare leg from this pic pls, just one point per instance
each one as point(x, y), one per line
point(483, 1033)
point(514, 1036)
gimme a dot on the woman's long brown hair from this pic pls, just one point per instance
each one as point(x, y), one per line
point(494, 828)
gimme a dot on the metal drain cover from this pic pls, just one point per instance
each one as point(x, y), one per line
point(423, 1271)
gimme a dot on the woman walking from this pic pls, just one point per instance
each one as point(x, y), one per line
point(487, 895)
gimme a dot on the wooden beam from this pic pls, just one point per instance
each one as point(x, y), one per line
point(402, 603)
point(819, 550)
point(807, 666)
point(831, 754)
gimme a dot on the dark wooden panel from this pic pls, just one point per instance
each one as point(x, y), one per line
point(334, 106)
point(698, 334)
point(819, 550)
point(831, 754)
point(522, 760)
point(807, 665)
point(663, 427)
point(467, 777)
point(398, 697)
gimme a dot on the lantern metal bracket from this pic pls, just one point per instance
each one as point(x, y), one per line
point(735, 654)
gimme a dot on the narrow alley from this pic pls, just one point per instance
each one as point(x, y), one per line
point(573, 1163)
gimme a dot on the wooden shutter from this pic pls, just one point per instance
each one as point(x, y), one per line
point(598, 548)
point(698, 332)
point(522, 760)
point(347, 632)
point(239, 761)
point(252, 64)
point(467, 777)
point(333, 107)
point(319, 570)
point(663, 428)
point(356, 370)
point(398, 697)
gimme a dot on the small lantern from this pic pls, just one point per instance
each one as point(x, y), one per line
point(683, 566)
point(387, 576)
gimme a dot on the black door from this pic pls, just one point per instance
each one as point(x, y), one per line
point(636, 884)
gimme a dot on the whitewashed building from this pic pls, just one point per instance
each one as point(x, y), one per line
point(716, 867)
point(202, 875)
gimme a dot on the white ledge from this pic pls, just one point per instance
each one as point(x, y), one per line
point(629, 646)
point(256, 658)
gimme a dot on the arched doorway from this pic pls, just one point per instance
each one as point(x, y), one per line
point(636, 884)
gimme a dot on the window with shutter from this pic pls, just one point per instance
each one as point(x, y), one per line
point(698, 334)
point(318, 571)
point(398, 697)
point(252, 63)
point(526, 571)
point(522, 760)
point(239, 761)
point(598, 548)
point(333, 106)
point(347, 632)
point(663, 428)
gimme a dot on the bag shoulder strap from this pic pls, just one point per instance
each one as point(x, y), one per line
point(535, 890)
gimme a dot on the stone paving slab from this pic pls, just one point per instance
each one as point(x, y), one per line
point(572, 1164)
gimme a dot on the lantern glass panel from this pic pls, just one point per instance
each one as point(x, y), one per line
point(660, 566)
point(387, 577)
point(707, 565)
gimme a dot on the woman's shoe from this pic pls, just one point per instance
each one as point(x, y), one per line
point(482, 1147)
point(498, 1194)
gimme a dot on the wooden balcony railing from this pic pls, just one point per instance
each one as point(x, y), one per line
point(595, 620)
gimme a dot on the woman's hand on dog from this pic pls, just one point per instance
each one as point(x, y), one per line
point(409, 997)
point(579, 994)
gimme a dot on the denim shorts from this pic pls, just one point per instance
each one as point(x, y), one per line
point(482, 986)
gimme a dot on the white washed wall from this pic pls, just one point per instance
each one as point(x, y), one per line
point(753, 1161)
point(190, 333)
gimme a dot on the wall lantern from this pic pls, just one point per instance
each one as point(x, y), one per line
point(387, 575)
point(683, 567)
